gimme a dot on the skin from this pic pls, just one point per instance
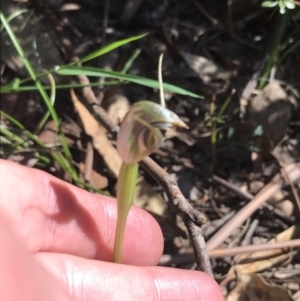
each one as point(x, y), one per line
point(57, 243)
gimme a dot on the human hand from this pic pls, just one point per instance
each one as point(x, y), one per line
point(57, 243)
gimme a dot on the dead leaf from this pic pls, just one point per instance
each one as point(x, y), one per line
point(118, 107)
point(278, 199)
point(147, 198)
point(100, 141)
point(253, 287)
point(283, 204)
point(70, 6)
point(259, 261)
point(49, 134)
point(206, 69)
point(185, 137)
point(130, 9)
point(296, 297)
point(270, 109)
point(98, 181)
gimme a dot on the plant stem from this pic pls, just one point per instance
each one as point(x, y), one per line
point(280, 26)
point(125, 193)
point(215, 122)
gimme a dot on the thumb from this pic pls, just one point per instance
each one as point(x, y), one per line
point(23, 278)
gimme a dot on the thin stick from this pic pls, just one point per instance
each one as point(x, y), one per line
point(192, 218)
point(248, 196)
point(293, 170)
point(228, 252)
point(161, 89)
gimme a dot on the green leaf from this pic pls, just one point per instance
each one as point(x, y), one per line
point(269, 3)
point(67, 166)
point(289, 4)
point(111, 47)
point(15, 84)
point(14, 15)
point(89, 71)
point(258, 131)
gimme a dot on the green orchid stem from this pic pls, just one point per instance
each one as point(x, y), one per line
point(125, 194)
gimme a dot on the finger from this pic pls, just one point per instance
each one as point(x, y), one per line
point(55, 216)
point(95, 280)
point(22, 278)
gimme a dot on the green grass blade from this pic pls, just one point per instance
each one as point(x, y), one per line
point(89, 71)
point(9, 87)
point(95, 54)
point(281, 24)
point(43, 93)
point(13, 138)
point(14, 15)
point(131, 60)
point(33, 137)
point(111, 47)
point(52, 99)
point(30, 136)
point(292, 48)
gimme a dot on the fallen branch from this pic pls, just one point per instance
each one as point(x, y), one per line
point(192, 218)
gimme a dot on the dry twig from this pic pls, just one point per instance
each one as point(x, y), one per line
point(248, 196)
point(192, 218)
point(225, 252)
point(293, 172)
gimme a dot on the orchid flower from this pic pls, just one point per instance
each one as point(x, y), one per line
point(141, 133)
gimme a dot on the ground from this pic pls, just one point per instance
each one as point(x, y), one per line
point(241, 58)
